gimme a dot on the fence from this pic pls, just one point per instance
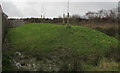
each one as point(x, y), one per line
point(5, 23)
point(16, 23)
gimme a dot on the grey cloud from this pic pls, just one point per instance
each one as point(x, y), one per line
point(11, 10)
point(54, 9)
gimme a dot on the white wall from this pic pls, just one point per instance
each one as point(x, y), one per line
point(0, 41)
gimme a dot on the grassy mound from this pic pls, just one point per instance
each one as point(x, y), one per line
point(41, 38)
point(46, 37)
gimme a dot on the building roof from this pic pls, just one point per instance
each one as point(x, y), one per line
point(1, 9)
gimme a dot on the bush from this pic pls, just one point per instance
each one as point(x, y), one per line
point(107, 65)
point(114, 53)
point(6, 63)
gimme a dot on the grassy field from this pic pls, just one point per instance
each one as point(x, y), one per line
point(80, 47)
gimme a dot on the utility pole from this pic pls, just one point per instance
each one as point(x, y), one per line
point(68, 24)
point(41, 18)
point(44, 19)
point(63, 19)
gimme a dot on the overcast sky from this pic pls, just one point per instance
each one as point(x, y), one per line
point(53, 8)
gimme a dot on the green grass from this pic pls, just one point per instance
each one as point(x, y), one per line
point(40, 37)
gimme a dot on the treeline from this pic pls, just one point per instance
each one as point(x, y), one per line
point(101, 16)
